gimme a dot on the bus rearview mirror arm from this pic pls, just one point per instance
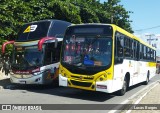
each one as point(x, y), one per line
point(5, 44)
point(56, 43)
point(43, 40)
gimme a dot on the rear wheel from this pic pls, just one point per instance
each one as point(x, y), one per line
point(147, 79)
point(55, 82)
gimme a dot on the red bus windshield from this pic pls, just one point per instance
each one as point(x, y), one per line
point(27, 58)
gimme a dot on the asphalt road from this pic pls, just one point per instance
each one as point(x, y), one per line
point(22, 94)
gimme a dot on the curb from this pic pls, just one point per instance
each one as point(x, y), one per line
point(138, 101)
point(135, 99)
point(1, 88)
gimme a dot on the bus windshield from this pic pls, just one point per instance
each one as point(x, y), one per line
point(27, 58)
point(87, 52)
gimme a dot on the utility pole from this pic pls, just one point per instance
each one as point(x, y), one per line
point(150, 39)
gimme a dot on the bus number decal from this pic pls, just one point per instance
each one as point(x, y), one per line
point(30, 28)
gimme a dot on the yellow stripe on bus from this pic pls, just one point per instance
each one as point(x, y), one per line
point(151, 64)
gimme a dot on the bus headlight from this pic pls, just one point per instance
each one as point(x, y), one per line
point(11, 73)
point(105, 75)
point(27, 76)
point(37, 73)
point(17, 75)
point(41, 72)
point(22, 76)
point(102, 77)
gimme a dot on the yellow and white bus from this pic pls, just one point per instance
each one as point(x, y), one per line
point(105, 58)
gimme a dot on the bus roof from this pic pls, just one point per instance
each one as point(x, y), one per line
point(43, 28)
point(131, 36)
point(51, 20)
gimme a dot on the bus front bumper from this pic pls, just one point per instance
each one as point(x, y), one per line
point(38, 79)
point(101, 86)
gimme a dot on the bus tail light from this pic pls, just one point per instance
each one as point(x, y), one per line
point(102, 86)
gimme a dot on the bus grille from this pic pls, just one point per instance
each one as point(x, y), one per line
point(83, 84)
point(87, 78)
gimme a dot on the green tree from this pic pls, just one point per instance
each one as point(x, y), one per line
point(14, 13)
point(118, 14)
point(8, 47)
point(39, 9)
point(64, 10)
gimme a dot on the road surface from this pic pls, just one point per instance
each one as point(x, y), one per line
point(13, 94)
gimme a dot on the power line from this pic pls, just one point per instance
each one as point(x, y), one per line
point(148, 28)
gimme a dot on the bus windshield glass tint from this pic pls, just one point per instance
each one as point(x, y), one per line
point(33, 31)
point(27, 58)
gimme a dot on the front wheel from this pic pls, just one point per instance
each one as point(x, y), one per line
point(124, 88)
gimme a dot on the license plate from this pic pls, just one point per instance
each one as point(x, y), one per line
point(22, 82)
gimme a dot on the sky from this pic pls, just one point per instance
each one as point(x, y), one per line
point(145, 17)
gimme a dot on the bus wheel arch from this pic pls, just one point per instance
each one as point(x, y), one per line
point(125, 85)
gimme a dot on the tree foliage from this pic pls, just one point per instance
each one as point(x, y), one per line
point(14, 13)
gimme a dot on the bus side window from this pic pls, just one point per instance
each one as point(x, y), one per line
point(119, 41)
point(48, 55)
point(152, 55)
point(56, 53)
point(141, 52)
point(136, 49)
point(52, 54)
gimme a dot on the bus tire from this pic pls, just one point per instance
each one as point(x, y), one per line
point(122, 91)
point(147, 79)
point(55, 83)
